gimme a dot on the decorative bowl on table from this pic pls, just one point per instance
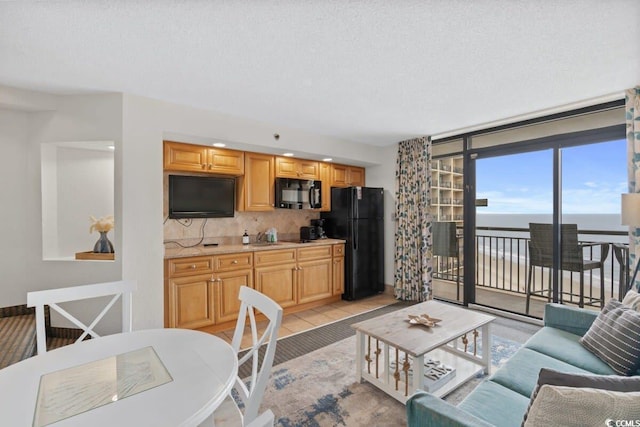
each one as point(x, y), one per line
point(423, 319)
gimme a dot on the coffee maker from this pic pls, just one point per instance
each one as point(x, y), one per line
point(319, 226)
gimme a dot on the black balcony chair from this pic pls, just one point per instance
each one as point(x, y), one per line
point(445, 244)
point(572, 259)
point(621, 252)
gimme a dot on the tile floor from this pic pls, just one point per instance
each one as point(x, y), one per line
point(304, 320)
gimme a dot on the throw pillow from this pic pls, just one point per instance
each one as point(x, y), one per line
point(564, 406)
point(632, 299)
point(600, 382)
point(615, 337)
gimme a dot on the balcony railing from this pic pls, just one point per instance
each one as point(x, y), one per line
point(502, 264)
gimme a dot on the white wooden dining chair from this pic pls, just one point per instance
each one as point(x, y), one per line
point(52, 297)
point(250, 395)
point(265, 419)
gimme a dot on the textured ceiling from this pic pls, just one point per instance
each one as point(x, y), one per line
point(369, 71)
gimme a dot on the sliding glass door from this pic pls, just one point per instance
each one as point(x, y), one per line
point(539, 218)
point(512, 191)
point(593, 178)
point(547, 225)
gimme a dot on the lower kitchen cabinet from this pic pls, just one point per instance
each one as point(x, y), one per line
point(191, 302)
point(338, 275)
point(314, 280)
point(202, 291)
point(337, 252)
point(278, 282)
point(227, 287)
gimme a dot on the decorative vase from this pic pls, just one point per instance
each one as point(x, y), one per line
point(103, 245)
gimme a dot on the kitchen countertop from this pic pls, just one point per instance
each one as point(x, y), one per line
point(201, 250)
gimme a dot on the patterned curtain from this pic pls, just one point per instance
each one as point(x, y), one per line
point(632, 97)
point(412, 280)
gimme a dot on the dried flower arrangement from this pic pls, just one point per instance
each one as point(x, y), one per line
point(103, 224)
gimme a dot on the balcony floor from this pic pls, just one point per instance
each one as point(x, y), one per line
point(502, 300)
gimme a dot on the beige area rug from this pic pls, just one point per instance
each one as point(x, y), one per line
point(320, 389)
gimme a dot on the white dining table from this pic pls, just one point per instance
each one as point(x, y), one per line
point(201, 371)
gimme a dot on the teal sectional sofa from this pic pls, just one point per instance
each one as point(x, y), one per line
point(503, 398)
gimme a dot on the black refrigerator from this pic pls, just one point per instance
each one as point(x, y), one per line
point(357, 216)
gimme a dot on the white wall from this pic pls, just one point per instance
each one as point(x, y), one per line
point(140, 155)
point(77, 118)
point(76, 183)
point(85, 188)
point(15, 250)
point(384, 176)
point(137, 126)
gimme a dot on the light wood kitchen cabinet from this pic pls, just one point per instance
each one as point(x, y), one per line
point(325, 178)
point(314, 273)
point(293, 276)
point(202, 291)
point(227, 288)
point(347, 176)
point(338, 269)
point(191, 301)
point(276, 275)
point(183, 157)
point(231, 272)
point(257, 187)
point(289, 167)
point(189, 292)
point(181, 267)
point(314, 280)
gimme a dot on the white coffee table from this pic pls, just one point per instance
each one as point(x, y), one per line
point(385, 339)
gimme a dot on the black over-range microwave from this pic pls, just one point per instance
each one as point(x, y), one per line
point(294, 193)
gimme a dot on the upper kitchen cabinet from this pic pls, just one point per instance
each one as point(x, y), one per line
point(183, 157)
point(325, 178)
point(347, 176)
point(256, 188)
point(288, 167)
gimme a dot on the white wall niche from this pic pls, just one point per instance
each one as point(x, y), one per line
point(77, 179)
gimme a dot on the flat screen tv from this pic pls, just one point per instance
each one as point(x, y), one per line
point(201, 196)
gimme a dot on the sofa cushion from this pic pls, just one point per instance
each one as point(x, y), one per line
point(426, 410)
point(615, 337)
point(496, 404)
point(632, 299)
point(563, 406)
point(520, 373)
point(600, 382)
point(566, 346)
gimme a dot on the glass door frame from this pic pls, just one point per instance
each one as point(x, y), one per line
point(555, 143)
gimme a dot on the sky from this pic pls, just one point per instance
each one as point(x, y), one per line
point(593, 178)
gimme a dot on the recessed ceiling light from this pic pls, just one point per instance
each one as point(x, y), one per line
point(288, 154)
point(328, 159)
point(111, 147)
point(219, 145)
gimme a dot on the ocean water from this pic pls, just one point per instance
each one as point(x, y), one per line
point(586, 222)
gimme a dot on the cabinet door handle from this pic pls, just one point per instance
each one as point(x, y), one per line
point(193, 266)
point(235, 261)
point(210, 166)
